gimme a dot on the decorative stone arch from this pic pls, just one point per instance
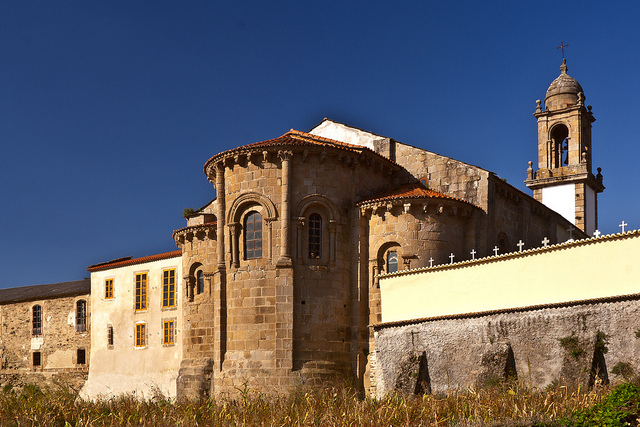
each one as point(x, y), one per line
point(502, 242)
point(319, 204)
point(240, 206)
point(378, 262)
point(190, 279)
point(559, 153)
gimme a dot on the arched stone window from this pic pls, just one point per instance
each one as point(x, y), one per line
point(560, 146)
point(388, 259)
point(36, 320)
point(199, 282)
point(253, 236)
point(81, 316)
point(315, 236)
point(392, 261)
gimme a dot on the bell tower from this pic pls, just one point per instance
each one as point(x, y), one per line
point(564, 181)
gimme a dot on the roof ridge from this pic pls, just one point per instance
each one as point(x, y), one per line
point(133, 261)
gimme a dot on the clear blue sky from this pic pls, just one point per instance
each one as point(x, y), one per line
point(108, 110)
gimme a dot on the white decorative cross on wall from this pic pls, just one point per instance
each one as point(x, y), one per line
point(545, 242)
point(520, 245)
point(452, 256)
point(495, 251)
point(473, 254)
point(430, 262)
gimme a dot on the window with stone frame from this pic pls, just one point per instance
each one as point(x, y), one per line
point(108, 289)
point(315, 236)
point(141, 291)
point(253, 236)
point(169, 332)
point(200, 282)
point(141, 335)
point(169, 288)
point(36, 358)
point(81, 356)
point(36, 320)
point(81, 316)
point(110, 336)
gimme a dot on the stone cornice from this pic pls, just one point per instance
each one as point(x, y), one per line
point(300, 144)
point(200, 231)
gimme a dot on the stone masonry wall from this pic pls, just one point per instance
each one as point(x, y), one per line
point(58, 343)
point(445, 175)
point(580, 344)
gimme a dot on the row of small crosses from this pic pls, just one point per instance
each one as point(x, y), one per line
point(520, 244)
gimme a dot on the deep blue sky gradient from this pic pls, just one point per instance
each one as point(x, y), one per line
point(109, 110)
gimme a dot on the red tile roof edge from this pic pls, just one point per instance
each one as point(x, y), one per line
point(313, 139)
point(400, 193)
point(115, 264)
point(476, 314)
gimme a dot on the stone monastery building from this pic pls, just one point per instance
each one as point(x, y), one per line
point(275, 283)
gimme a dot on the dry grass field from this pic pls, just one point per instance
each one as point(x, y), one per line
point(506, 404)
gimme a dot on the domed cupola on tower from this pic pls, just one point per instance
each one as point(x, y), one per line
point(563, 92)
point(564, 180)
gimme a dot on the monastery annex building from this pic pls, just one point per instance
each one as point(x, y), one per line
point(296, 272)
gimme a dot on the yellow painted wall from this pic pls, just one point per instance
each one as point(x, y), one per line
point(585, 269)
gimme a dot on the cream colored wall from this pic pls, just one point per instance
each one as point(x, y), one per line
point(586, 269)
point(123, 368)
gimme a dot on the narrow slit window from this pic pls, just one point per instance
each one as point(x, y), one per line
point(36, 320)
point(392, 262)
point(315, 236)
point(81, 356)
point(200, 282)
point(253, 236)
point(37, 358)
point(110, 335)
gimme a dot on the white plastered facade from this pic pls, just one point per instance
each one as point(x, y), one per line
point(124, 368)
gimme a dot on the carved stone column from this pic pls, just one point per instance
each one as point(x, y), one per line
point(235, 253)
point(220, 197)
point(299, 241)
point(285, 250)
point(332, 243)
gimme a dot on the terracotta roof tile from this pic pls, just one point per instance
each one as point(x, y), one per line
point(296, 137)
point(411, 191)
point(122, 262)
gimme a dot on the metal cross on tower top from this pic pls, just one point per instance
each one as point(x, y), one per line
point(562, 46)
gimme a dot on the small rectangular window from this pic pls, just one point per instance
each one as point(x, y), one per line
point(141, 334)
point(37, 359)
point(141, 291)
point(110, 335)
point(81, 357)
point(169, 332)
point(108, 289)
point(169, 288)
